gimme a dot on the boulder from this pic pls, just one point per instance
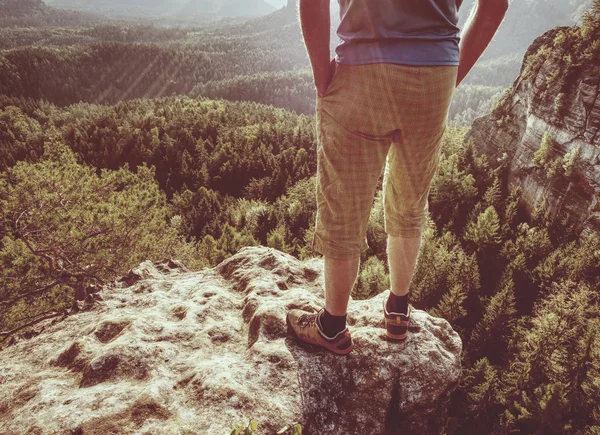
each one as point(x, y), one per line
point(169, 350)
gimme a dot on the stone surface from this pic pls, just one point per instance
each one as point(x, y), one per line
point(172, 351)
point(529, 111)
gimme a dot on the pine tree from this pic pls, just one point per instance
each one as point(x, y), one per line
point(436, 257)
point(591, 20)
point(486, 230)
point(538, 383)
point(232, 240)
point(492, 194)
point(463, 270)
point(523, 254)
point(276, 239)
point(371, 280)
point(571, 160)
point(581, 376)
point(510, 213)
point(452, 191)
point(209, 249)
point(542, 155)
point(451, 306)
point(481, 385)
point(542, 411)
point(490, 335)
point(578, 260)
point(65, 227)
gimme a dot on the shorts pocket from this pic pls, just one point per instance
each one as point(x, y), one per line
point(332, 65)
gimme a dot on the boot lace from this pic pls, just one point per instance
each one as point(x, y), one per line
point(308, 319)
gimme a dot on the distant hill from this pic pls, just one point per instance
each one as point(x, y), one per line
point(241, 8)
point(169, 9)
point(20, 8)
point(526, 20)
point(36, 13)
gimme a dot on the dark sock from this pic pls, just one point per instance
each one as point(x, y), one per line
point(331, 325)
point(397, 304)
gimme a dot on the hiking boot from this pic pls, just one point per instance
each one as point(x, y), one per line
point(396, 324)
point(307, 327)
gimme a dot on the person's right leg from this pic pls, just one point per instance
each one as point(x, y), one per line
point(412, 162)
point(402, 258)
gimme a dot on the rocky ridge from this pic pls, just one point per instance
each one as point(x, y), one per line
point(168, 350)
point(557, 94)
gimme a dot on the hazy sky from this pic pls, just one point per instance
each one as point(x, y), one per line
point(277, 3)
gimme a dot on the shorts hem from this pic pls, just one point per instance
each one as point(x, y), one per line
point(406, 233)
point(324, 248)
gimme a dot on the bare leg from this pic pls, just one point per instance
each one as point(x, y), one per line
point(402, 258)
point(340, 276)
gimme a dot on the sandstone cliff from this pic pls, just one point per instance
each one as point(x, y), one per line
point(173, 351)
point(554, 100)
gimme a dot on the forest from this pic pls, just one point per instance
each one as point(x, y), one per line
point(126, 142)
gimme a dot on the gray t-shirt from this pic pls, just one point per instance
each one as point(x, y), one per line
point(413, 32)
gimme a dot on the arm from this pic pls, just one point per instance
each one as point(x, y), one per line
point(315, 23)
point(480, 28)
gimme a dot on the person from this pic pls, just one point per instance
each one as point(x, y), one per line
point(382, 105)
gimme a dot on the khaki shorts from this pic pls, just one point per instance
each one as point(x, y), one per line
point(373, 118)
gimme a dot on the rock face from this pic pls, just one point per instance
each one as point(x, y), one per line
point(172, 351)
point(556, 92)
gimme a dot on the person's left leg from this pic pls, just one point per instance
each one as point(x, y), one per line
point(349, 165)
point(340, 275)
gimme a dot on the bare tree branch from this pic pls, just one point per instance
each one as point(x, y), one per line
point(5, 334)
point(38, 253)
point(30, 318)
point(20, 216)
point(31, 293)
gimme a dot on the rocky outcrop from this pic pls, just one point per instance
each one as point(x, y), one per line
point(558, 94)
point(172, 351)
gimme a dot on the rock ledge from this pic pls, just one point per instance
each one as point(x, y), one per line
point(174, 351)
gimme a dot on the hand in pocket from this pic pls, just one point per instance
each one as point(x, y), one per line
point(323, 87)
